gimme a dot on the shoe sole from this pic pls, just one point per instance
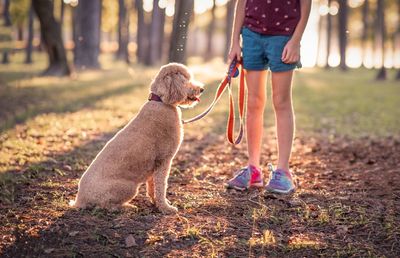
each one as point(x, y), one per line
point(281, 191)
point(257, 185)
point(254, 185)
point(235, 187)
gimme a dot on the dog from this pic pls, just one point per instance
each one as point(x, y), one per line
point(142, 152)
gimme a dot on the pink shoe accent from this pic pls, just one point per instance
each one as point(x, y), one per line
point(256, 177)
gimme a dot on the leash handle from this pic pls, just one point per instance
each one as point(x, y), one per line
point(221, 88)
point(226, 83)
point(231, 119)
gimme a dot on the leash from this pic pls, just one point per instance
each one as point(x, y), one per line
point(226, 83)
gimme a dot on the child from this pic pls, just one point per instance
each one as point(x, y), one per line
point(271, 33)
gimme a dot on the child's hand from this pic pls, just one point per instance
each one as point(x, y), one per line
point(234, 52)
point(291, 52)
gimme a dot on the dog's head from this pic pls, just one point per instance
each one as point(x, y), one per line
point(175, 85)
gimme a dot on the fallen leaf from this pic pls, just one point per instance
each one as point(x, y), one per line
point(342, 229)
point(67, 167)
point(130, 241)
point(73, 233)
point(49, 250)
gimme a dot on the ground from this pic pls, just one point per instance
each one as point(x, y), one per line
point(346, 156)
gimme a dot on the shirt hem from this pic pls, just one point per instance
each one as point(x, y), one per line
point(268, 33)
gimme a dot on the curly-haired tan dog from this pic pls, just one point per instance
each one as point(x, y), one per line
point(143, 150)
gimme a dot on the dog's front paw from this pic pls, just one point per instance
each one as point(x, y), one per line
point(168, 209)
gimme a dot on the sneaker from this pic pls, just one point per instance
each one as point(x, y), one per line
point(280, 181)
point(245, 178)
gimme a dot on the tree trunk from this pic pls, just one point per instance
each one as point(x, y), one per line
point(7, 23)
point(20, 33)
point(328, 35)
point(364, 36)
point(142, 36)
point(321, 30)
point(123, 32)
point(157, 34)
point(343, 14)
point(51, 33)
point(210, 33)
point(62, 11)
point(397, 41)
point(183, 12)
point(29, 47)
point(230, 13)
point(380, 37)
point(87, 22)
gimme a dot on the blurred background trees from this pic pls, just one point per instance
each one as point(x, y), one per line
point(87, 22)
point(343, 33)
point(50, 31)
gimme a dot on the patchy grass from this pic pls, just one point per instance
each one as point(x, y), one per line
point(346, 158)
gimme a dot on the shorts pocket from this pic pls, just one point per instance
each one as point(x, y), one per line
point(246, 32)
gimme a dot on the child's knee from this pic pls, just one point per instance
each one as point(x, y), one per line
point(281, 102)
point(255, 103)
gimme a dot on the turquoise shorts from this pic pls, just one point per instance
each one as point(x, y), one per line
point(263, 52)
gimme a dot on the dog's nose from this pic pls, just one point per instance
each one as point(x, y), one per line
point(201, 90)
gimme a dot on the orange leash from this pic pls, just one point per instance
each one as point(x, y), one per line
point(226, 83)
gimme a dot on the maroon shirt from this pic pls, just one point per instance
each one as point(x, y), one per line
point(272, 17)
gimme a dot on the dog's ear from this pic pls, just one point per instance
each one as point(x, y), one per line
point(174, 88)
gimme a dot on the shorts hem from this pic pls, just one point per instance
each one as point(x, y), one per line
point(255, 67)
point(285, 69)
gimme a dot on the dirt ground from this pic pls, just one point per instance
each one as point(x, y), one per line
point(347, 205)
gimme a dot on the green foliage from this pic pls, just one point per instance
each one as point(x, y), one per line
point(19, 11)
point(6, 42)
point(109, 16)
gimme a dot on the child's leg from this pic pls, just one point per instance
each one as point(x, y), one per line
point(282, 102)
point(256, 85)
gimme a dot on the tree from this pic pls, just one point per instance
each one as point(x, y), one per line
point(230, 12)
point(142, 35)
point(381, 37)
point(343, 14)
point(7, 23)
point(397, 37)
point(364, 36)
point(210, 33)
point(183, 12)
point(87, 18)
point(62, 11)
point(29, 46)
point(328, 34)
point(157, 34)
point(51, 35)
point(19, 10)
point(123, 32)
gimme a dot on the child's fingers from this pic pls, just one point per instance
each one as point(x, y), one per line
point(237, 55)
point(294, 58)
point(284, 54)
point(233, 55)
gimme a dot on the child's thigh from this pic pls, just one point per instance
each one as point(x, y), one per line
point(256, 84)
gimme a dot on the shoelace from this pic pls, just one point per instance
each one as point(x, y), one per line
point(273, 172)
point(241, 172)
point(276, 175)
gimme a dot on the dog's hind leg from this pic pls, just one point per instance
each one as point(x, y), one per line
point(160, 188)
point(150, 189)
point(117, 194)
